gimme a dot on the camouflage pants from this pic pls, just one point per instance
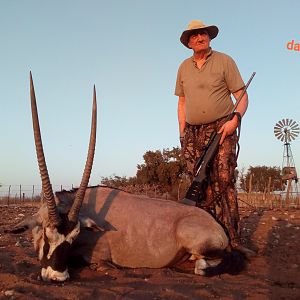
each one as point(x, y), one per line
point(221, 196)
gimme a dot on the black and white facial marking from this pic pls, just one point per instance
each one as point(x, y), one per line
point(53, 246)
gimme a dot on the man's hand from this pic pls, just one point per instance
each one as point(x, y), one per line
point(228, 128)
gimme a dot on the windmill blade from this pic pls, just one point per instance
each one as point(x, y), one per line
point(294, 122)
point(282, 139)
point(287, 122)
point(290, 122)
point(277, 132)
point(281, 124)
point(294, 125)
point(278, 135)
point(293, 136)
point(277, 128)
point(283, 121)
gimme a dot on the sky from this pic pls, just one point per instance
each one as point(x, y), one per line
point(131, 51)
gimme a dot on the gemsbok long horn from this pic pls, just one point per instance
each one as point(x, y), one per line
point(54, 218)
point(74, 211)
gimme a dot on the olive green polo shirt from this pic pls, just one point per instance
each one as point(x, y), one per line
point(207, 90)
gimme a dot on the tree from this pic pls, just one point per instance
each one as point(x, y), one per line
point(147, 173)
point(161, 172)
point(116, 181)
point(163, 168)
point(260, 179)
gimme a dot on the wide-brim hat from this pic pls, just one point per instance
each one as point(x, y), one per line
point(195, 25)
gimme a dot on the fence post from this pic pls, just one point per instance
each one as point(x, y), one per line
point(20, 192)
point(32, 193)
point(288, 192)
point(8, 197)
point(250, 183)
point(269, 193)
point(250, 190)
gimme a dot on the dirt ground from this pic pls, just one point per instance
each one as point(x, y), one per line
point(273, 274)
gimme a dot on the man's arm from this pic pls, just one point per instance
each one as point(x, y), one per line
point(181, 115)
point(230, 126)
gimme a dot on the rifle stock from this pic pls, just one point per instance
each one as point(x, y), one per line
point(197, 190)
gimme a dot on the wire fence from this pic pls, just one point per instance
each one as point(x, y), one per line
point(18, 194)
point(21, 193)
point(269, 200)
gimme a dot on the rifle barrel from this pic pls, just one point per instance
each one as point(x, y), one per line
point(244, 91)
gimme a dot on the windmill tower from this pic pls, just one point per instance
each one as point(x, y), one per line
point(287, 130)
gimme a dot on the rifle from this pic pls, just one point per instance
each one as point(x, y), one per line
point(196, 191)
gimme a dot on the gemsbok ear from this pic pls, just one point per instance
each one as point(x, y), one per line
point(24, 225)
point(90, 224)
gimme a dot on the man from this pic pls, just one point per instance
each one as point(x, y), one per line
point(204, 86)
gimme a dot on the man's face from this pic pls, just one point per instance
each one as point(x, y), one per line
point(199, 41)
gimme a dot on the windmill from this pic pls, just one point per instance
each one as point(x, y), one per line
point(286, 131)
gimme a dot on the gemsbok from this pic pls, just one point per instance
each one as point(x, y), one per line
point(100, 224)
